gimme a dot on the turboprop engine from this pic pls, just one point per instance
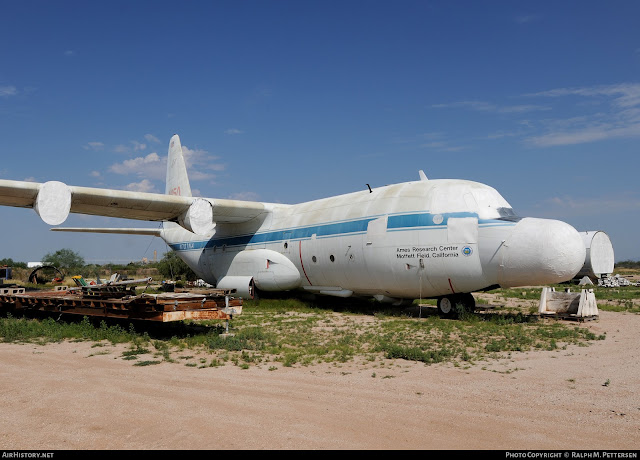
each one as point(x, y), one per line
point(265, 269)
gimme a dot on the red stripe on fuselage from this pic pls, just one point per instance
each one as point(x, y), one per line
point(302, 264)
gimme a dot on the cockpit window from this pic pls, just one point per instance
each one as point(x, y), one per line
point(508, 214)
point(491, 205)
point(464, 196)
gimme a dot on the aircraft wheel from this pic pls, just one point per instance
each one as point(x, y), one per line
point(446, 306)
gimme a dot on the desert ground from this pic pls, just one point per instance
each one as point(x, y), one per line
point(65, 396)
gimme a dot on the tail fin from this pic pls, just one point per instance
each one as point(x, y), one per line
point(177, 179)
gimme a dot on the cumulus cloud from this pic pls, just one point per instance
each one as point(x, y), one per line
point(200, 165)
point(145, 185)
point(135, 146)
point(138, 146)
point(152, 138)
point(151, 166)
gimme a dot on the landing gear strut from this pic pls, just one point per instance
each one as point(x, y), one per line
point(452, 305)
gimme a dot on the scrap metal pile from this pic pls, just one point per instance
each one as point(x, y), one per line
point(118, 299)
point(615, 281)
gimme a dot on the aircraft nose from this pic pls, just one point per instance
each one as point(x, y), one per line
point(541, 251)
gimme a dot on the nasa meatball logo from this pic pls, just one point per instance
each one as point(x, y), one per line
point(466, 251)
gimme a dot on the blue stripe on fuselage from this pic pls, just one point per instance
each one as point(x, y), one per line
point(401, 222)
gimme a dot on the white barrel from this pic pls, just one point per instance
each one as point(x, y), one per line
point(599, 260)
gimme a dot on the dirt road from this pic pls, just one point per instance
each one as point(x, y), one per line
point(70, 396)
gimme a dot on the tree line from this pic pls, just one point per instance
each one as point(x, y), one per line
point(628, 264)
point(71, 263)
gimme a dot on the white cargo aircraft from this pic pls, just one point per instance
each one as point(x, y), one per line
point(424, 239)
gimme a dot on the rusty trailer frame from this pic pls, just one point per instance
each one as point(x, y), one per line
point(111, 303)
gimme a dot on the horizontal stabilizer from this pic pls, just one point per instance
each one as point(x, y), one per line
point(120, 231)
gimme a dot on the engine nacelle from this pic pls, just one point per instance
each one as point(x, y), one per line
point(269, 271)
point(53, 202)
point(243, 285)
point(198, 218)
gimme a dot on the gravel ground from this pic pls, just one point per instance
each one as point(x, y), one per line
point(68, 396)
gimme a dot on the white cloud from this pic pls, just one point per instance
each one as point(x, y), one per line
point(482, 106)
point(6, 91)
point(200, 165)
point(621, 120)
point(199, 160)
point(625, 94)
point(150, 166)
point(93, 146)
point(245, 196)
point(571, 206)
point(442, 146)
point(582, 136)
point(233, 131)
point(137, 146)
point(145, 185)
point(152, 138)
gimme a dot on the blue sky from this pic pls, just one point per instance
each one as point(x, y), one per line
point(288, 101)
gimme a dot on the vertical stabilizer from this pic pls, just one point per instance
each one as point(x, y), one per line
point(177, 180)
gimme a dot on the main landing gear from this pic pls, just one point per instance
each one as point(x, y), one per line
point(452, 305)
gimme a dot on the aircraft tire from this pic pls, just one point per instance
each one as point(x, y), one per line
point(449, 306)
point(446, 306)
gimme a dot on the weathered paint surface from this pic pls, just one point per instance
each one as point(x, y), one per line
point(410, 240)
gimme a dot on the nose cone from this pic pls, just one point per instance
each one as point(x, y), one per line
point(541, 251)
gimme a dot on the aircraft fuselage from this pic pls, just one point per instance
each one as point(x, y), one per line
point(420, 239)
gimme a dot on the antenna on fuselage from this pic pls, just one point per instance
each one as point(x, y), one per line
point(370, 191)
point(423, 176)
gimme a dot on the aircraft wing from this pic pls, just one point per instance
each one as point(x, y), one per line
point(53, 201)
